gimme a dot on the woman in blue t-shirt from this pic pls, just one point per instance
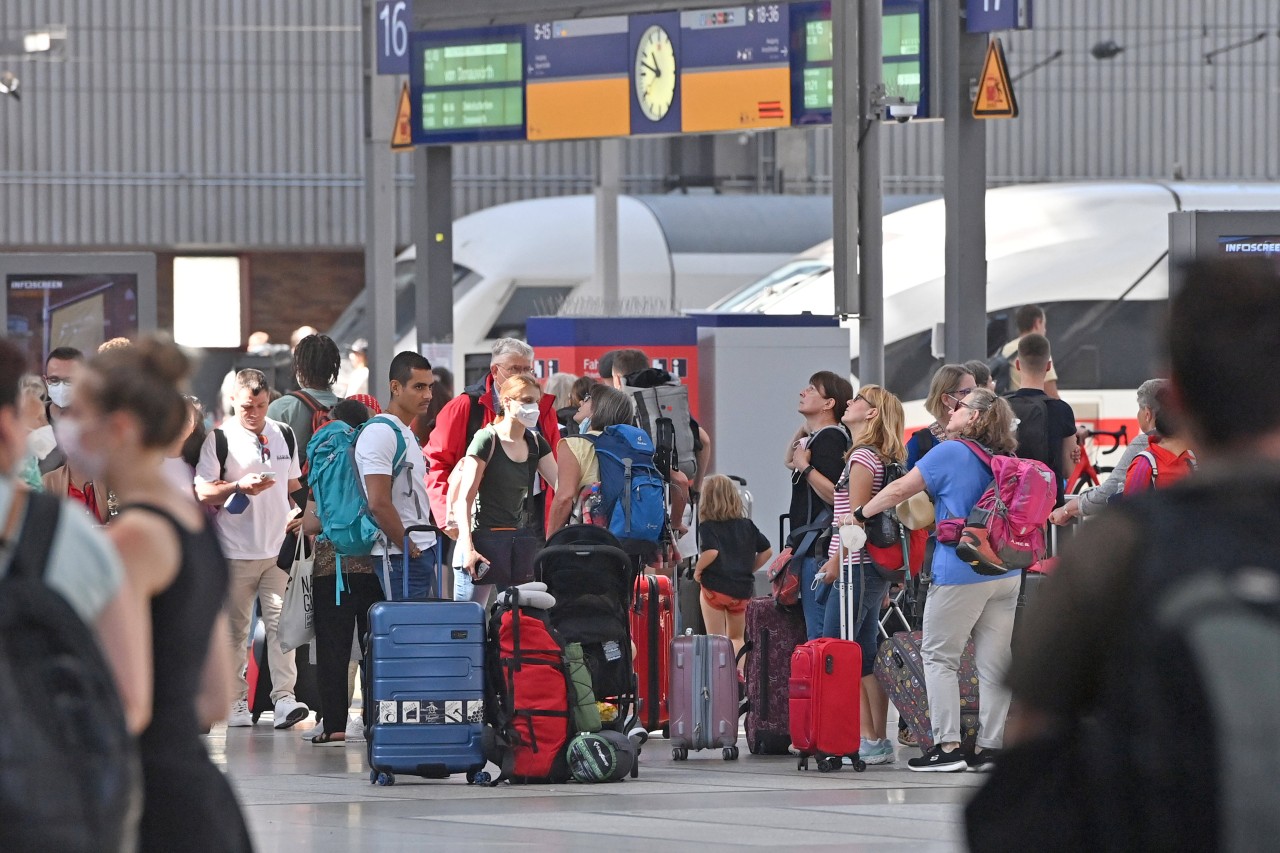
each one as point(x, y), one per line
point(961, 602)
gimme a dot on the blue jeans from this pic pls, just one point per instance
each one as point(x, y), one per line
point(813, 612)
point(465, 589)
point(423, 576)
point(866, 589)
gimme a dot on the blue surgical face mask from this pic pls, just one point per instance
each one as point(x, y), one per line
point(585, 426)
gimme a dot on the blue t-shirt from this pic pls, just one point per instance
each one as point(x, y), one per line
point(956, 478)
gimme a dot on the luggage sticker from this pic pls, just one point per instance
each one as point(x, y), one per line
point(428, 712)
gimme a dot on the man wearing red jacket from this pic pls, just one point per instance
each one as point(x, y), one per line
point(474, 409)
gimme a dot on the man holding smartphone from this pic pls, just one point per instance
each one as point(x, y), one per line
point(243, 470)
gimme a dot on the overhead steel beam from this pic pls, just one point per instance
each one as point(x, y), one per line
point(451, 14)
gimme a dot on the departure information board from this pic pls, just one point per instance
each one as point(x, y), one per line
point(467, 85)
point(577, 83)
point(905, 46)
point(735, 68)
point(726, 68)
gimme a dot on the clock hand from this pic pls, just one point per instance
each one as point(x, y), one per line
point(655, 71)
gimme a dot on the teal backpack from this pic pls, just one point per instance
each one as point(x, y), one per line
point(338, 490)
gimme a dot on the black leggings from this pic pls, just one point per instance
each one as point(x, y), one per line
point(334, 626)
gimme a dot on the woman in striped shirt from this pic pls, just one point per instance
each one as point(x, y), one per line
point(875, 420)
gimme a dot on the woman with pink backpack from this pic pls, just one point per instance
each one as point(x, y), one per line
point(963, 602)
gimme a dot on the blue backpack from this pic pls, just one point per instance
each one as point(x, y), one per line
point(338, 490)
point(632, 492)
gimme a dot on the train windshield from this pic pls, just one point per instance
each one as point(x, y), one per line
point(754, 298)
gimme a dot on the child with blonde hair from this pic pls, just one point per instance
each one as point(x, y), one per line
point(732, 548)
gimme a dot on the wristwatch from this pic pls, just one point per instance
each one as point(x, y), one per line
point(858, 516)
point(804, 475)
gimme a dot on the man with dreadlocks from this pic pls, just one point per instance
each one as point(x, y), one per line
point(316, 361)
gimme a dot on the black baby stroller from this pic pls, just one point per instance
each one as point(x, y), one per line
point(592, 580)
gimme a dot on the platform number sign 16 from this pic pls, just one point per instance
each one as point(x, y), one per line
point(393, 36)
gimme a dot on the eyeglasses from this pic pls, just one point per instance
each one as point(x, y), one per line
point(53, 381)
point(954, 397)
point(863, 399)
point(971, 408)
point(517, 368)
point(587, 398)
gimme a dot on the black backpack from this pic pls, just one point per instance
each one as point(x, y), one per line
point(1192, 670)
point(1001, 367)
point(70, 779)
point(1033, 426)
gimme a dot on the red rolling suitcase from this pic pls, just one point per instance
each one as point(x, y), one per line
point(824, 707)
point(652, 629)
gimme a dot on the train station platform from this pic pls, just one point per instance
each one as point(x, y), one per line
point(297, 796)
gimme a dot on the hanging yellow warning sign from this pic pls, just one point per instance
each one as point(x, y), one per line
point(995, 92)
point(402, 136)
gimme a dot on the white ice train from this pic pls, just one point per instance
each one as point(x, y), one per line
point(1094, 255)
point(536, 257)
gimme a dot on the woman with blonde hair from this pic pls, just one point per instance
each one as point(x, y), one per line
point(732, 548)
point(498, 531)
point(961, 602)
point(874, 418)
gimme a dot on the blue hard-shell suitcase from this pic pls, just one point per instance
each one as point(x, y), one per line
point(426, 687)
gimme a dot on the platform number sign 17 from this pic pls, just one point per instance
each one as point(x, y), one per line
point(988, 16)
point(393, 17)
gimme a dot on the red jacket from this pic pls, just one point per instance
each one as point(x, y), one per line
point(449, 439)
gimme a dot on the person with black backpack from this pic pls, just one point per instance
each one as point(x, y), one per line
point(1046, 426)
point(71, 682)
point(316, 363)
point(1146, 673)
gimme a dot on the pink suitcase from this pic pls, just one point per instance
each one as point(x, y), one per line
point(703, 700)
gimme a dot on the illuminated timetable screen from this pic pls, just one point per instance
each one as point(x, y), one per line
point(467, 85)
point(904, 45)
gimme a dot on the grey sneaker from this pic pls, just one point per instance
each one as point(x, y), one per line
point(355, 729)
point(877, 751)
point(239, 717)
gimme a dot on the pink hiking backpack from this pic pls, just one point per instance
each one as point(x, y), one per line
point(1005, 530)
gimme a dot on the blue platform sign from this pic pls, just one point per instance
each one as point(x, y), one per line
point(392, 22)
point(989, 16)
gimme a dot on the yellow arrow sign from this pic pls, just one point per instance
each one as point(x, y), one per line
point(402, 136)
point(995, 92)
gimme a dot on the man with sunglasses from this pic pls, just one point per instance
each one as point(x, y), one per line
point(247, 469)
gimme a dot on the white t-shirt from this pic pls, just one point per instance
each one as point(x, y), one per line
point(83, 567)
point(375, 454)
point(258, 532)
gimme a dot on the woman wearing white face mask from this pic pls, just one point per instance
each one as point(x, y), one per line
point(496, 526)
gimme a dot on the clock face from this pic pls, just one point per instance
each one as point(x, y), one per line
point(655, 73)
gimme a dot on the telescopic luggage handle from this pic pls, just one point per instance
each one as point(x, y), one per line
point(438, 580)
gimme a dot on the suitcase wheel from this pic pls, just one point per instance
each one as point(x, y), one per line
point(802, 763)
point(828, 764)
point(478, 777)
point(680, 753)
point(730, 753)
point(859, 765)
point(666, 730)
point(378, 777)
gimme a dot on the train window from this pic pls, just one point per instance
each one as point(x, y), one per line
point(1096, 345)
point(1105, 344)
point(754, 297)
point(525, 302)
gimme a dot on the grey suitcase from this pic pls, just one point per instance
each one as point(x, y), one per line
point(703, 700)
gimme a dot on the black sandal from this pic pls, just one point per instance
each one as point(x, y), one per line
point(329, 739)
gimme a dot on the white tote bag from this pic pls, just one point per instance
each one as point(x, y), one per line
point(298, 615)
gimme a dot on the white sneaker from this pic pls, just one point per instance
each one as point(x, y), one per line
point(355, 729)
point(290, 712)
point(317, 729)
point(239, 716)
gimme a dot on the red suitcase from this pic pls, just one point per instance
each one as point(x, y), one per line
point(825, 684)
point(653, 628)
point(823, 704)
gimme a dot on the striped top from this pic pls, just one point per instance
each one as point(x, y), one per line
point(869, 459)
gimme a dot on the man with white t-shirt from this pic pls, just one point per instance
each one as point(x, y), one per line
point(247, 469)
point(393, 470)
